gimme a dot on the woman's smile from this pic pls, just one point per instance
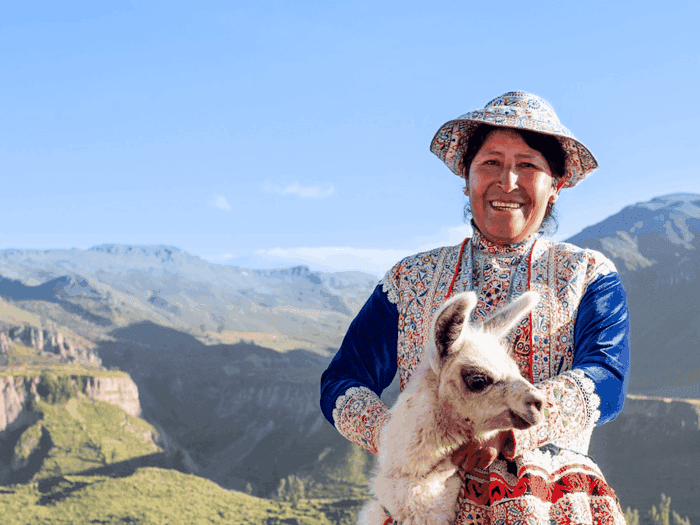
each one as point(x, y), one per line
point(502, 205)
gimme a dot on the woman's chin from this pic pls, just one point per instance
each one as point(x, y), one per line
point(504, 238)
point(506, 227)
point(504, 234)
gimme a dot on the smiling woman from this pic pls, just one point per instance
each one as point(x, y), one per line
point(515, 157)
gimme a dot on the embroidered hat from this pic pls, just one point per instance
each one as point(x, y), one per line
point(519, 110)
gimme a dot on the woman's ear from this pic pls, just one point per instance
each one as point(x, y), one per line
point(466, 181)
point(553, 198)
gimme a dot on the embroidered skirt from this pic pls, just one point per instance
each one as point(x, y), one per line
point(547, 486)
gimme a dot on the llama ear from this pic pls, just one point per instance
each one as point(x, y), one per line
point(505, 319)
point(450, 320)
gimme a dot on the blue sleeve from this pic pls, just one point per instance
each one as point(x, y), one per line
point(368, 355)
point(601, 342)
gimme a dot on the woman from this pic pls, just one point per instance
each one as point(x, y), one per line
point(515, 157)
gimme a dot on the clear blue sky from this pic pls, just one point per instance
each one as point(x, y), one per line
point(271, 133)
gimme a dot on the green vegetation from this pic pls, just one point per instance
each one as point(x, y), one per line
point(20, 355)
point(86, 434)
point(27, 361)
point(71, 369)
point(657, 516)
point(291, 489)
point(27, 443)
point(155, 496)
point(81, 435)
point(58, 388)
point(86, 461)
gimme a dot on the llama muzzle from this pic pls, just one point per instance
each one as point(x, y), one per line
point(530, 413)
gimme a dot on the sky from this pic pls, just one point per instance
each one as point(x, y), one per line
point(273, 133)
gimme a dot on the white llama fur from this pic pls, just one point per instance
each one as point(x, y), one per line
point(446, 405)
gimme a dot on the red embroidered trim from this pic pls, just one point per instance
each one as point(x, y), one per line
point(532, 326)
point(457, 268)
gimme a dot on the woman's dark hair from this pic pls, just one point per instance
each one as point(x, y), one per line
point(548, 145)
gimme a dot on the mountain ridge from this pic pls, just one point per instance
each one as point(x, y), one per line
point(113, 285)
point(647, 234)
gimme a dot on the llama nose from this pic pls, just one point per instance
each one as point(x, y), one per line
point(536, 402)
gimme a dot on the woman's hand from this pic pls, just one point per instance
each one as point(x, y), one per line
point(480, 455)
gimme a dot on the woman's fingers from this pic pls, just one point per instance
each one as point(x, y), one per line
point(471, 455)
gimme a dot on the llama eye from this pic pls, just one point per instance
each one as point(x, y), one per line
point(477, 382)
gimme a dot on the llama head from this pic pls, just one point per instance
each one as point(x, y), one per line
point(480, 388)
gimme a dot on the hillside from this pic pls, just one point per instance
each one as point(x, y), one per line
point(75, 459)
point(229, 405)
point(157, 496)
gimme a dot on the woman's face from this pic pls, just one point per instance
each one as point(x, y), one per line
point(510, 185)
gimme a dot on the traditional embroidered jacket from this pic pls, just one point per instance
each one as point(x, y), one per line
point(574, 346)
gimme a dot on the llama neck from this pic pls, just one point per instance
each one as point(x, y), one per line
point(421, 420)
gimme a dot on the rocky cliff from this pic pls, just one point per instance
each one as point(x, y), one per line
point(47, 341)
point(117, 390)
point(17, 394)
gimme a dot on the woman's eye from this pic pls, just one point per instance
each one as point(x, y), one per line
point(491, 162)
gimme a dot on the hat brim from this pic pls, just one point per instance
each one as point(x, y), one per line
point(450, 142)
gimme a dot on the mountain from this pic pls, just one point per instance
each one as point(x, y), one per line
point(655, 246)
point(94, 291)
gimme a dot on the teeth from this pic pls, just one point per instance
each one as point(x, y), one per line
point(508, 205)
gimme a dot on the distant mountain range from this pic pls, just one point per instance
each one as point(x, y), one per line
point(94, 291)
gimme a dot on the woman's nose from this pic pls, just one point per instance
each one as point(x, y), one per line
point(509, 179)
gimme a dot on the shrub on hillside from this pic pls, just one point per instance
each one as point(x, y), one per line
point(56, 388)
point(658, 516)
point(292, 489)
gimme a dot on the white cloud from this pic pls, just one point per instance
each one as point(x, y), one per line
point(339, 259)
point(375, 261)
point(309, 192)
point(219, 201)
point(446, 237)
